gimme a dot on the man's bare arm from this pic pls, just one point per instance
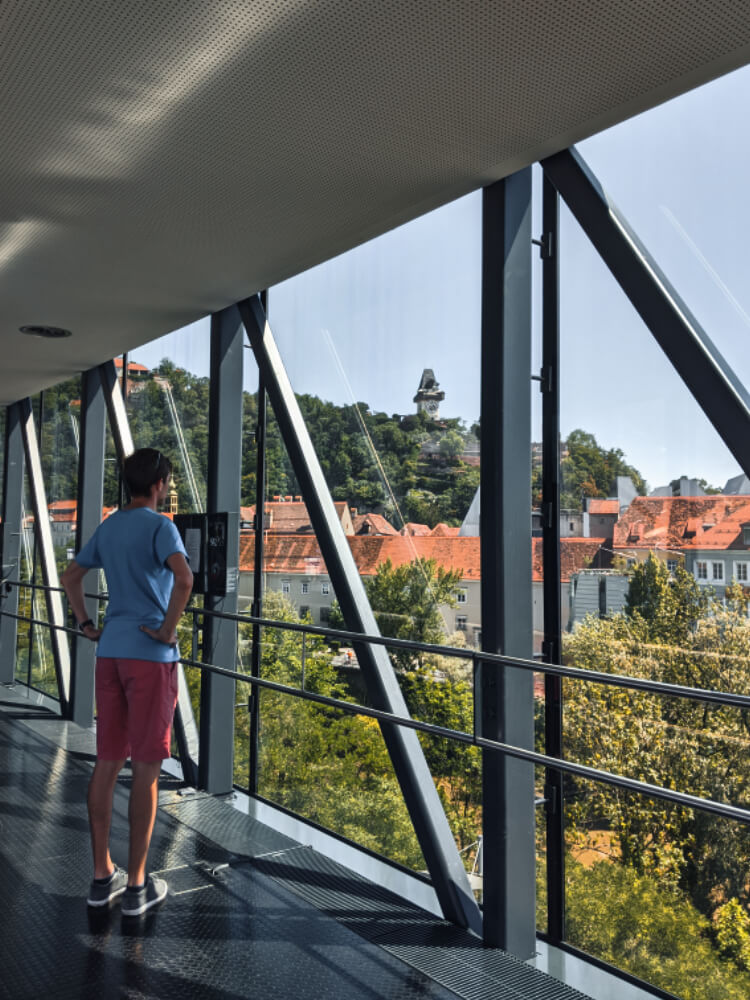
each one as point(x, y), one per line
point(181, 591)
point(72, 581)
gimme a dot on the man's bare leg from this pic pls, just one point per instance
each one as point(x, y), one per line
point(101, 790)
point(144, 797)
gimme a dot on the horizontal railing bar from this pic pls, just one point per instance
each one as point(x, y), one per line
point(30, 585)
point(531, 756)
point(39, 621)
point(580, 770)
point(726, 698)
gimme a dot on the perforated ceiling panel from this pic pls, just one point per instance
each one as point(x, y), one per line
point(163, 158)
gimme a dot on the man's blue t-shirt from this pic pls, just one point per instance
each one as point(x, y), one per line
point(132, 547)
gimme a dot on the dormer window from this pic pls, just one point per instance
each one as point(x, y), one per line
point(746, 534)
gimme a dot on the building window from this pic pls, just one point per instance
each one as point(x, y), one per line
point(304, 610)
point(701, 570)
point(671, 565)
point(461, 597)
point(286, 587)
point(740, 571)
point(746, 535)
point(305, 588)
point(461, 623)
point(325, 588)
point(717, 570)
point(325, 616)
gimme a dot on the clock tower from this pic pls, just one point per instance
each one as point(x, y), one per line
point(429, 395)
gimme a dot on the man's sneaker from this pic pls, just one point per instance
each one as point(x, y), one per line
point(102, 893)
point(137, 901)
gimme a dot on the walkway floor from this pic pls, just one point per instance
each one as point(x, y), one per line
point(250, 913)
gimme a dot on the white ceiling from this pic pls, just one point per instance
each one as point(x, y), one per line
point(160, 159)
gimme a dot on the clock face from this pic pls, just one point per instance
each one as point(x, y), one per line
point(431, 406)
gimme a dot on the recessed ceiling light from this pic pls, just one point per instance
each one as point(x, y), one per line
point(51, 332)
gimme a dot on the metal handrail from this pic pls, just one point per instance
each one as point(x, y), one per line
point(725, 698)
point(473, 739)
point(29, 584)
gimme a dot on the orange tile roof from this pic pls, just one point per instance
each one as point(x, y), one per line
point(290, 516)
point(373, 524)
point(444, 531)
point(411, 528)
point(301, 554)
point(575, 554)
point(709, 522)
point(603, 506)
point(133, 366)
point(451, 553)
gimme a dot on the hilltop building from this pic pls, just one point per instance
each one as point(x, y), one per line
point(429, 395)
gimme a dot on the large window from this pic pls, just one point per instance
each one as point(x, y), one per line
point(633, 435)
point(388, 386)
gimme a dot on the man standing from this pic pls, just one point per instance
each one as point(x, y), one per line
point(149, 583)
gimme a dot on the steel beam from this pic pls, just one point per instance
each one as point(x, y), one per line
point(552, 648)
point(185, 729)
point(46, 551)
point(12, 527)
point(506, 711)
point(224, 471)
point(696, 359)
point(89, 516)
point(118, 416)
point(420, 795)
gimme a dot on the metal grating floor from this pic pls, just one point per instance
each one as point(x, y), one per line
point(250, 912)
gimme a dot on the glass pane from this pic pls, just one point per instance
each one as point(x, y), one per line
point(370, 350)
point(685, 193)
point(167, 390)
point(650, 594)
point(652, 920)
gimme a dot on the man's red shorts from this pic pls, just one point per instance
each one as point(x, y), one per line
point(135, 703)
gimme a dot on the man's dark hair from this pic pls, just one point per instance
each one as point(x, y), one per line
point(144, 468)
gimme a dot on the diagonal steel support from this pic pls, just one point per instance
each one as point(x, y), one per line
point(420, 795)
point(185, 729)
point(698, 362)
point(46, 549)
point(11, 536)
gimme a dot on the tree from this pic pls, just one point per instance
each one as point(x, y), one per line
point(667, 606)
point(330, 767)
point(406, 602)
point(589, 470)
point(675, 742)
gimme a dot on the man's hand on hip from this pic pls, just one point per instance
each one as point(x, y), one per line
point(161, 634)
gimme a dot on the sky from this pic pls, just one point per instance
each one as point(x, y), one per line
point(363, 326)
